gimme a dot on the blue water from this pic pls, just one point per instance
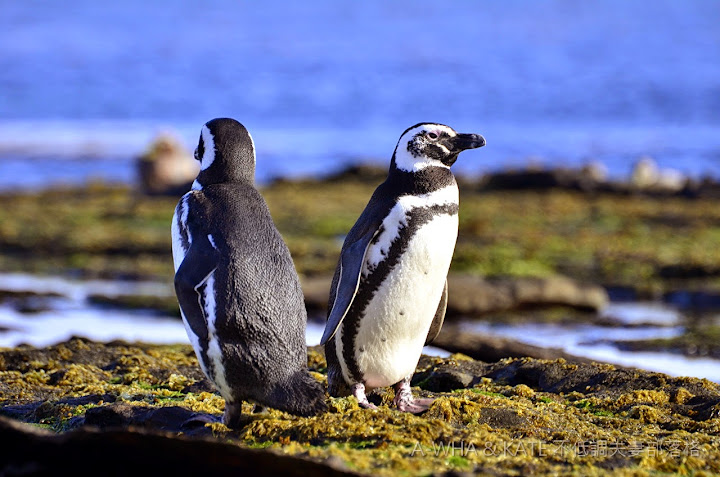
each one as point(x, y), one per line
point(84, 85)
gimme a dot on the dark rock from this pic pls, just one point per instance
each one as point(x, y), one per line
point(708, 188)
point(693, 300)
point(21, 412)
point(31, 451)
point(449, 377)
point(621, 293)
point(28, 301)
point(168, 418)
point(530, 179)
point(688, 271)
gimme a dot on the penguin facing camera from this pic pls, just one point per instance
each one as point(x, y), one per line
point(239, 293)
point(389, 292)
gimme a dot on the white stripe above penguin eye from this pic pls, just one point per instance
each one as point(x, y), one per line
point(209, 143)
point(405, 160)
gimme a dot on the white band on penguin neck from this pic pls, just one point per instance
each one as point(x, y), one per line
point(209, 153)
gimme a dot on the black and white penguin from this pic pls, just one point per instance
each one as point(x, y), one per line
point(236, 284)
point(389, 293)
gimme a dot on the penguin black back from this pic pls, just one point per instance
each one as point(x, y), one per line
point(236, 283)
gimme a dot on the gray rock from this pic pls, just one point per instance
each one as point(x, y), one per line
point(472, 295)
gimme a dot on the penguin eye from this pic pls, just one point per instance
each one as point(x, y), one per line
point(432, 135)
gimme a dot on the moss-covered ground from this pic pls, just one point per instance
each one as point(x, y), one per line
point(516, 417)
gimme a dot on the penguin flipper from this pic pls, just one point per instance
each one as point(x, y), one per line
point(194, 271)
point(439, 317)
point(349, 269)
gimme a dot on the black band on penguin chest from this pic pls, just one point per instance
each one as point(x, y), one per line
point(370, 284)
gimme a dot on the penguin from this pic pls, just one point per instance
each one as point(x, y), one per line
point(236, 284)
point(389, 293)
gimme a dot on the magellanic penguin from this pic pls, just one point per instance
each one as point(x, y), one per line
point(389, 293)
point(236, 284)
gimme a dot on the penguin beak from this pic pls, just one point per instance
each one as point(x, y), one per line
point(466, 141)
point(459, 143)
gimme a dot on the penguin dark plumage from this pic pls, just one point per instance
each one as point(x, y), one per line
point(236, 283)
point(389, 293)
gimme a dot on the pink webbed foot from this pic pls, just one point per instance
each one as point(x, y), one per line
point(404, 400)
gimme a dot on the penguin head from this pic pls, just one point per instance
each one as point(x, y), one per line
point(226, 153)
point(430, 144)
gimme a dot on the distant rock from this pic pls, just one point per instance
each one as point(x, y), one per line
point(166, 168)
point(595, 171)
point(592, 176)
point(530, 179)
point(470, 295)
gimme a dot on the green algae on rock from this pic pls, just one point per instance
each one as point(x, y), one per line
point(512, 417)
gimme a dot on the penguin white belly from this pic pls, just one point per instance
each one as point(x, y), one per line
point(397, 320)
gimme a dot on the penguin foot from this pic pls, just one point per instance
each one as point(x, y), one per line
point(414, 406)
point(234, 418)
point(358, 390)
point(405, 402)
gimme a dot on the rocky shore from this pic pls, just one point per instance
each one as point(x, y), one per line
point(120, 407)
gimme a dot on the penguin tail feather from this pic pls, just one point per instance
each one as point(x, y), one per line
point(302, 395)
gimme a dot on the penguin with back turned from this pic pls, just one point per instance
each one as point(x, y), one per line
point(389, 293)
point(236, 284)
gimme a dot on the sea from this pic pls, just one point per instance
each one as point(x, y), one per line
point(86, 85)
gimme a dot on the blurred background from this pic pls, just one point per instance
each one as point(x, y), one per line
point(86, 88)
point(322, 84)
